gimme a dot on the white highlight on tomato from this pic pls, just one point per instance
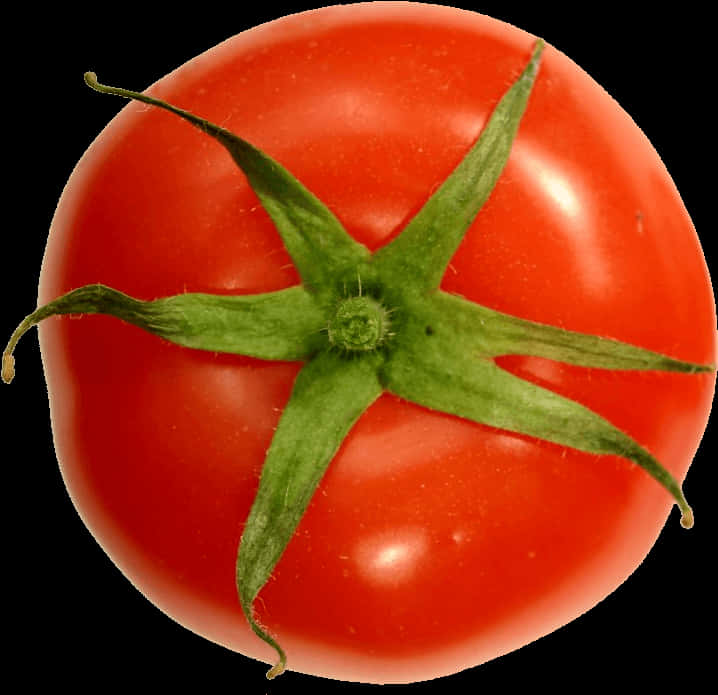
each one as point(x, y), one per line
point(392, 558)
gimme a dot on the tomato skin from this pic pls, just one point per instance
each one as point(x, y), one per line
point(202, 410)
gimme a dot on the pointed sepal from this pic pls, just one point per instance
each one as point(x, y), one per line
point(485, 332)
point(315, 239)
point(282, 325)
point(329, 395)
point(434, 371)
point(420, 254)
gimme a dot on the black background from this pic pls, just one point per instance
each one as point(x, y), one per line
point(71, 616)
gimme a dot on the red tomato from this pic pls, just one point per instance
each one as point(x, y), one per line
point(433, 544)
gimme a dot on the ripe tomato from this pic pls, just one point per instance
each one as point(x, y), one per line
point(161, 447)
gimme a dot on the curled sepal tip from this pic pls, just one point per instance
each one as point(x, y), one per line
point(276, 670)
point(8, 359)
point(8, 367)
point(687, 519)
point(281, 664)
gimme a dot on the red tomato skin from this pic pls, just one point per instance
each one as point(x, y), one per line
point(432, 544)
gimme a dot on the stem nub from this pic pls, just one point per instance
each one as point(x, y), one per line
point(359, 324)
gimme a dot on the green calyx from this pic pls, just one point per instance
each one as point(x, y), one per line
point(406, 336)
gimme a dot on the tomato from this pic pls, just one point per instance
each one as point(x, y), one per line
point(161, 447)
